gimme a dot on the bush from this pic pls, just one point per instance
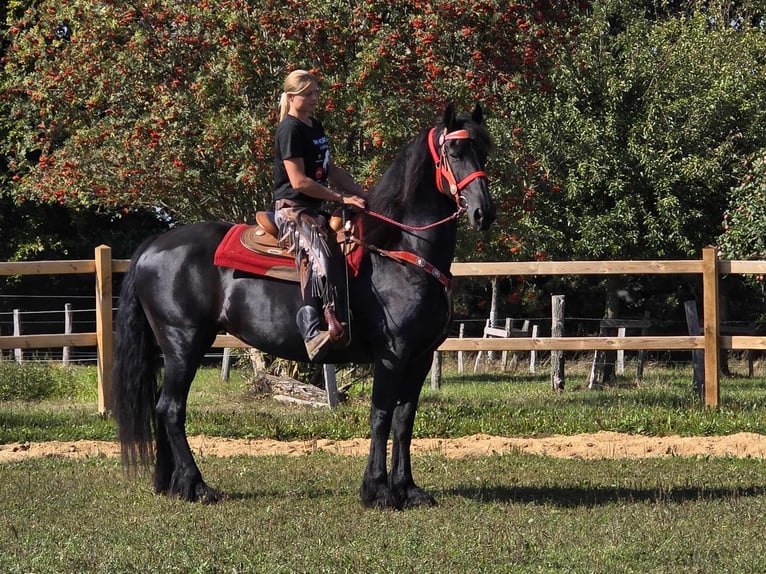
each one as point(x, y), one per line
point(34, 381)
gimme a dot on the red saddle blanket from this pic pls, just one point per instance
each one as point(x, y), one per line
point(231, 253)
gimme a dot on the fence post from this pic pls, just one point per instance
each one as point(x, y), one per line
point(508, 326)
point(533, 353)
point(436, 371)
point(619, 367)
point(460, 353)
point(104, 334)
point(642, 352)
point(67, 331)
point(557, 330)
point(711, 324)
point(17, 353)
point(493, 313)
point(226, 365)
point(330, 385)
point(693, 328)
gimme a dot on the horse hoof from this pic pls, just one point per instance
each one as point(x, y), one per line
point(193, 491)
point(417, 497)
point(206, 495)
point(381, 498)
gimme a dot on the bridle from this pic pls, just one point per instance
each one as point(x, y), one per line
point(444, 173)
point(444, 168)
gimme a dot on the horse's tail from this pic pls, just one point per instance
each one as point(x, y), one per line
point(134, 375)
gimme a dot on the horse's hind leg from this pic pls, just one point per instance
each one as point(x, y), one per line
point(176, 473)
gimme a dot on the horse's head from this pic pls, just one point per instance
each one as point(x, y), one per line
point(460, 147)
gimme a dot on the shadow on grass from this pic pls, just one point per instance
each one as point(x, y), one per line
point(573, 497)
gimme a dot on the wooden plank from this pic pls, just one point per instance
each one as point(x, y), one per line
point(711, 321)
point(574, 343)
point(47, 267)
point(495, 332)
point(44, 341)
point(104, 330)
point(229, 341)
point(669, 267)
point(741, 342)
point(742, 267)
point(66, 267)
point(524, 344)
point(120, 265)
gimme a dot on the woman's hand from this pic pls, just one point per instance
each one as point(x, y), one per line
point(354, 201)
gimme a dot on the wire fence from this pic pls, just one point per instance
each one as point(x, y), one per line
point(53, 320)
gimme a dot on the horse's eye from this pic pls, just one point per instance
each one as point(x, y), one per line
point(456, 150)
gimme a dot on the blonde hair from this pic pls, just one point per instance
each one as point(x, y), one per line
point(296, 82)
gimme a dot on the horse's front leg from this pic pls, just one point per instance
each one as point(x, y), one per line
point(375, 491)
point(401, 480)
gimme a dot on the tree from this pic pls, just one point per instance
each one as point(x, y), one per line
point(645, 133)
point(173, 104)
point(744, 230)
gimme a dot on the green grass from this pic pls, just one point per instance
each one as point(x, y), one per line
point(511, 513)
point(500, 513)
point(504, 404)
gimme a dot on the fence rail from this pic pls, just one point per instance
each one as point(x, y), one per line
point(711, 341)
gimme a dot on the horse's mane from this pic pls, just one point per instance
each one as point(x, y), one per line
point(403, 178)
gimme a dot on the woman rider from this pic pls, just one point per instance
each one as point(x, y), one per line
point(304, 178)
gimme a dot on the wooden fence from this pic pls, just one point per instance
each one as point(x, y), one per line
point(711, 341)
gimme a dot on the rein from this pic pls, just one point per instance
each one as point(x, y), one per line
point(458, 213)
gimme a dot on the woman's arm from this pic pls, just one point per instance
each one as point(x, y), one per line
point(337, 176)
point(342, 180)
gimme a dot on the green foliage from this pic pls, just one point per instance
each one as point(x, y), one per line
point(35, 380)
point(644, 133)
point(744, 234)
point(620, 127)
point(173, 104)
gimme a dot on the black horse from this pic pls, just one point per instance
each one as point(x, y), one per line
point(175, 300)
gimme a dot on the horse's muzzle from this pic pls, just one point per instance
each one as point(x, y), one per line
point(482, 220)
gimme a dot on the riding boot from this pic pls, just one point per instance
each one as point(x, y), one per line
point(317, 341)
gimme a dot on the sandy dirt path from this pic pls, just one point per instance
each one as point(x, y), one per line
point(586, 446)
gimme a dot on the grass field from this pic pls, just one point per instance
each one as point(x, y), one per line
point(501, 513)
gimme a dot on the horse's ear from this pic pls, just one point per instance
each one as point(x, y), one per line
point(449, 118)
point(478, 114)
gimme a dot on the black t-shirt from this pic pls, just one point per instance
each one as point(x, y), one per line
point(294, 139)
